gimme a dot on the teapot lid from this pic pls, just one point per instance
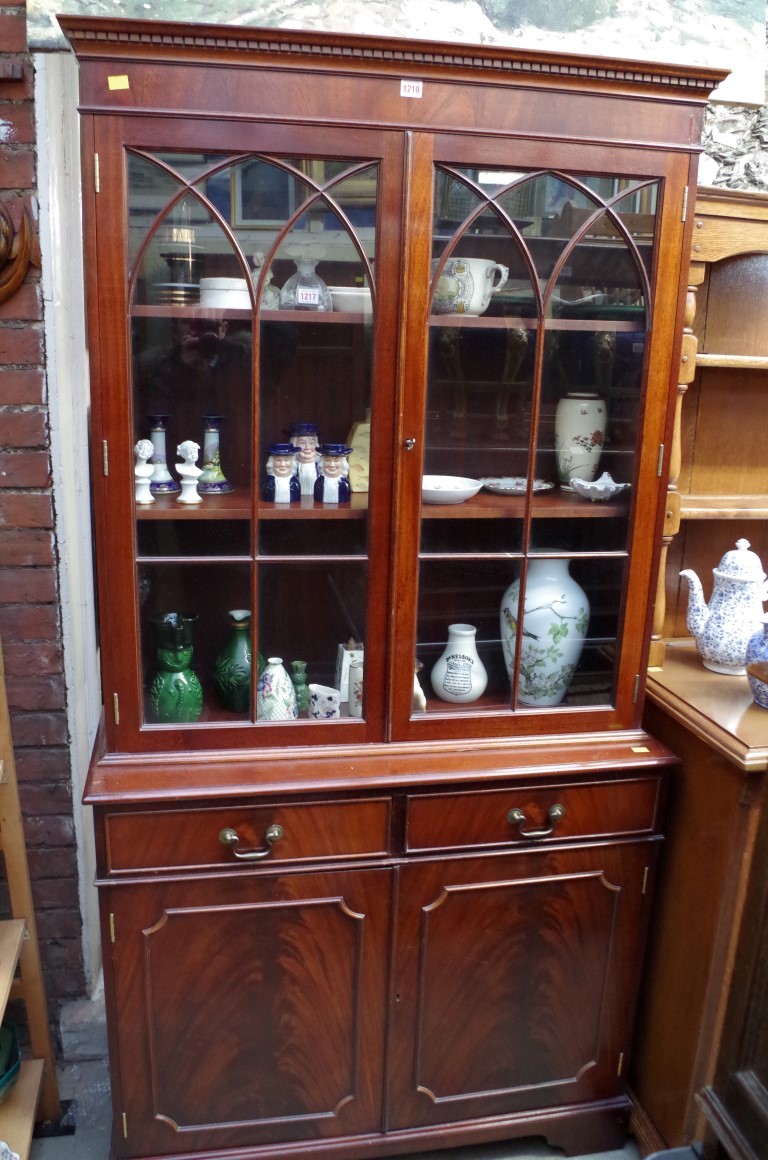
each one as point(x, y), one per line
point(740, 564)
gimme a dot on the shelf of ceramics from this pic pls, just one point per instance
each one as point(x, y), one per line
point(756, 362)
point(552, 505)
point(724, 507)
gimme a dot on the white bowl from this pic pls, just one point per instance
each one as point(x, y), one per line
point(448, 488)
point(605, 487)
point(351, 299)
point(225, 293)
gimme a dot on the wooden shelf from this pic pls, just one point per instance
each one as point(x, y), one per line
point(724, 507)
point(17, 1112)
point(718, 708)
point(237, 506)
point(510, 322)
point(11, 938)
point(554, 504)
point(198, 313)
point(754, 362)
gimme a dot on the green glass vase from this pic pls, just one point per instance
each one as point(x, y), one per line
point(175, 693)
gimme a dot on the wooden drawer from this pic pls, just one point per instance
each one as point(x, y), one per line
point(596, 809)
point(155, 839)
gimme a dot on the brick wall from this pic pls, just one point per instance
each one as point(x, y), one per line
point(30, 623)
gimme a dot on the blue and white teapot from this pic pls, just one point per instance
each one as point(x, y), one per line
point(723, 627)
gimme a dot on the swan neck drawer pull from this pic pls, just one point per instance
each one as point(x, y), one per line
point(228, 837)
point(517, 818)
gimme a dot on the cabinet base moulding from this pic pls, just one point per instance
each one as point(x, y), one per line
point(599, 1127)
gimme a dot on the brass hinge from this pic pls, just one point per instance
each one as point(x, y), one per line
point(105, 456)
point(660, 464)
point(620, 1068)
point(645, 880)
point(125, 1126)
point(685, 204)
point(96, 173)
point(111, 928)
point(116, 708)
point(636, 689)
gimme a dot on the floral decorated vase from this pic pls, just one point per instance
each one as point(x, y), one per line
point(175, 694)
point(275, 694)
point(580, 422)
point(555, 622)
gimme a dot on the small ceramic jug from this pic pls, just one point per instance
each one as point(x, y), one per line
point(465, 285)
point(722, 628)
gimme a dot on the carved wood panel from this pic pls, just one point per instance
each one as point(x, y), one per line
point(513, 981)
point(250, 1010)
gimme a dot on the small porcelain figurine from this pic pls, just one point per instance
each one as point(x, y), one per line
point(189, 472)
point(419, 700)
point(281, 483)
point(143, 471)
point(332, 485)
point(305, 438)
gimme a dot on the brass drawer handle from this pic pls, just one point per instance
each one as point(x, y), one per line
point(517, 818)
point(228, 837)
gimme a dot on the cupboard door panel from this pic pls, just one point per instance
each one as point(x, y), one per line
point(250, 1012)
point(514, 981)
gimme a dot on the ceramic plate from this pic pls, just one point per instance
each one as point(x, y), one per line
point(513, 484)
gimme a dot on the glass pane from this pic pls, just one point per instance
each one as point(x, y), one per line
point(535, 390)
point(466, 665)
point(314, 613)
point(567, 648)
point(150, 189)
point(186, 642)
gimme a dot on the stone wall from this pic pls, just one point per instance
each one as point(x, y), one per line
point(30, 624)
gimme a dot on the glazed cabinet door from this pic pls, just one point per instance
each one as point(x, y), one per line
point(246, 436)
point(514, 981)
point(249, 1010)
point(537, 384)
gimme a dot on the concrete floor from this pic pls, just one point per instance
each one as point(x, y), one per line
point(86, 1083)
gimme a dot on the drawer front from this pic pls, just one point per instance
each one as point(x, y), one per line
point(455, 821)
point(155, 839)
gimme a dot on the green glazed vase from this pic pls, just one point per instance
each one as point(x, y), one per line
point(175, 693)
point(233, 667)
point(299, 679)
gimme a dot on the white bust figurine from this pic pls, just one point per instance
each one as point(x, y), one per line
point(189, 472)
point(143, 471)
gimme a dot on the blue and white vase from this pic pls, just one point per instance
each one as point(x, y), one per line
point(555, 621)
point(757, 653)
point(275, 694)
